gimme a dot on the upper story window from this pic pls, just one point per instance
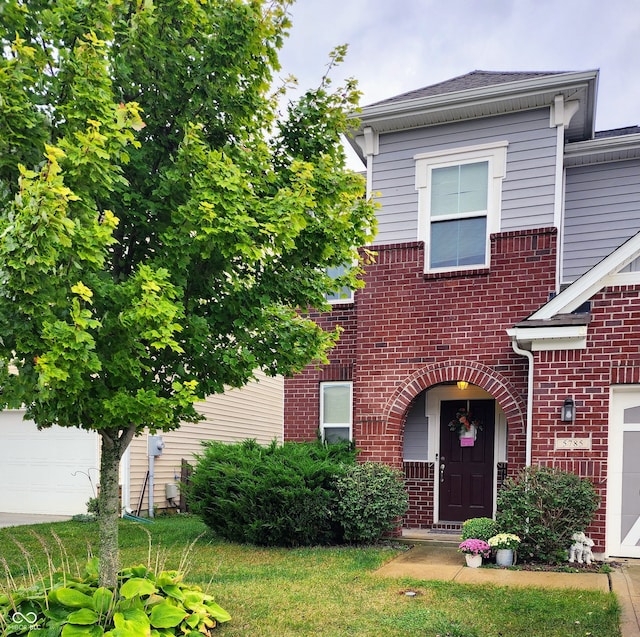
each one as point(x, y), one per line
point(459, 194)
point(336, 399)
point(342, 294)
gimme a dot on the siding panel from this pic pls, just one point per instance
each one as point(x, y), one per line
point(255, 411)
point(602, 211)
point(530, 165)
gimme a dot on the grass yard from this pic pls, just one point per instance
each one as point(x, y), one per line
point(316, 591)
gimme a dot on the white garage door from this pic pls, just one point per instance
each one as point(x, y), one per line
point(45, 471)
point(623, 484)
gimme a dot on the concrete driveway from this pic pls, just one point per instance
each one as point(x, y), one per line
point(20, 519)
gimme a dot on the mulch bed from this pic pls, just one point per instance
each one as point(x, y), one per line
point(566, 567)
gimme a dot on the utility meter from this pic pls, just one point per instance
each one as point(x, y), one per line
point(156, 445)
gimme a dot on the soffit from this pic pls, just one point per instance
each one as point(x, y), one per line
point(416, 110)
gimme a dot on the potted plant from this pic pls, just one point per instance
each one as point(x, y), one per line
point(505, 545)
point(474, 550)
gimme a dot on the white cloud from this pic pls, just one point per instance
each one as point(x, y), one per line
point(401, 45)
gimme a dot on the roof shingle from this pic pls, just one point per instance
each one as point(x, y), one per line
point(475, 79)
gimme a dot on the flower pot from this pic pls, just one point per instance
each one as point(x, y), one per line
point(473, 561)
point(504, 557)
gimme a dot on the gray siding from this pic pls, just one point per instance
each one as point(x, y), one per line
point(602, 211)
point(527, 190)
point(416, 433)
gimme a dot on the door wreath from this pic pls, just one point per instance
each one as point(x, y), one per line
point(466, 426)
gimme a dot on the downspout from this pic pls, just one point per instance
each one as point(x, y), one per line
point(529, 422)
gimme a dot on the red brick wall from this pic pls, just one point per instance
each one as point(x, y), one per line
point(407, 331)
point(612, 356)
point(404, 321)
point(419, 480)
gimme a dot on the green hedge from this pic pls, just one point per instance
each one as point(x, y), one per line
point(278, 495)
point(296, 494)
point(370, 499)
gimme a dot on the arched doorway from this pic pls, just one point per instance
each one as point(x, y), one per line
point(449, 482)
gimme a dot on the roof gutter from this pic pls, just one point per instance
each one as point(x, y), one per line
point(602, 149)
point(521, 88)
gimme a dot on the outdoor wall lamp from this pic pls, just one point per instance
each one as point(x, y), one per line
point(462, 384)
point(568, 413)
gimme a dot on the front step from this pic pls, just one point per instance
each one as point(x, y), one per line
point(447, 527)
point(447, 533)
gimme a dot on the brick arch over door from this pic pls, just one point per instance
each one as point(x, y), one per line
point(452, 370)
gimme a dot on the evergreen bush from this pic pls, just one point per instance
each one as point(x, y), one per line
point(545, 507)
point(370, 499)
point(278, 495)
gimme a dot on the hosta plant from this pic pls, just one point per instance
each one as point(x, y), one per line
point(142, 604)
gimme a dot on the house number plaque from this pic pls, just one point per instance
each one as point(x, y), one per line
point(573, 444)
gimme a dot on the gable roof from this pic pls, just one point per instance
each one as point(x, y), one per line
point(483, 94)
point(605, 273)
point(553, 326)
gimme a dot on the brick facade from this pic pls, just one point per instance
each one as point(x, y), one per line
point(407, 331)
point(612, 357)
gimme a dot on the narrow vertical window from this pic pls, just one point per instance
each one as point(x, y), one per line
point(336, 400)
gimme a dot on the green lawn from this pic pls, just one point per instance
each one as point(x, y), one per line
point(317, 591)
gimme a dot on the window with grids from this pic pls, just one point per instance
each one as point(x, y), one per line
point(342, 294)
point(336, 400)
point(459, 199)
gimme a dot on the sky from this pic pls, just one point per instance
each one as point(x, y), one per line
point(401, 45)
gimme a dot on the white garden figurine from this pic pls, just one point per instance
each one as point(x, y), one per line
point(580, 550)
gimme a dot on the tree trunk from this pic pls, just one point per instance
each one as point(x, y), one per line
point(109, 505)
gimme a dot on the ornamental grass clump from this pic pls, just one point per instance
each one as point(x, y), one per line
point(504, 541)
point(475, 547)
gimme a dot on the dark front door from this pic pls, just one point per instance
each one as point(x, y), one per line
point(466, 473)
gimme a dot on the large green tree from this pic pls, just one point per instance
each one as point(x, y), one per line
point(162, 225)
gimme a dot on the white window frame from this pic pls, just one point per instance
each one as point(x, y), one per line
point(337, 301)
point(334, 425)
point(495, 154)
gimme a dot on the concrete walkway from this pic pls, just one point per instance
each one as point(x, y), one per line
point(438, 559)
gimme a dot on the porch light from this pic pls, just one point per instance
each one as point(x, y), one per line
point(568, 413)
point(462, 384)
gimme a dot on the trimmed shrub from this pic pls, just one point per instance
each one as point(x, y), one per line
point(278, 495)
point(479, 528)
point(545, 507)
point(370, 499)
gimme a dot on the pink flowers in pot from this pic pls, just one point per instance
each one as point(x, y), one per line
point(475, 547)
